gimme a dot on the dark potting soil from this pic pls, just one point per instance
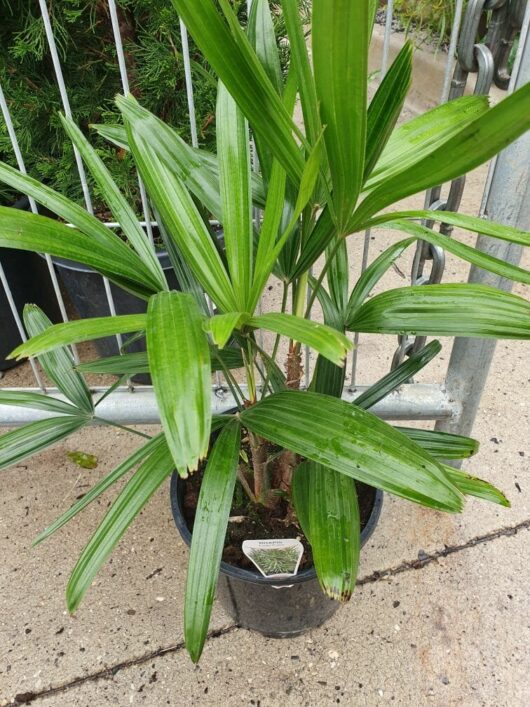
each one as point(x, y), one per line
point(250, 521)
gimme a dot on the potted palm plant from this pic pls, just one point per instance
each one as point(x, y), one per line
point(283, 450)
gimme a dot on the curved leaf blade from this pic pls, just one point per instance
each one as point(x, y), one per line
point(28, 440)
point(179, 362)
point(177, 209)
point(111, 258)
point(131, 364)
point(373, 273)
point(473, 486)
point(157, 467)
point(422, 135)
point(138, 456)
point(340, 39)
point(330, 343)
point(36, 401)
point(59, 364)
point(233, 149)
point(442, 445)
point(228, 51)
point(221, 326)
point(118, 205)
point(335, 536)
point(209, 530)
point(469, 223)
point(470, 147)
point(386, 105)
point(402, 374)
point(463, 251)
point(445, 310)
point(79, 330)
point(354, 442)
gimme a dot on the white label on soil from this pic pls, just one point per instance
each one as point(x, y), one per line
point(275, 558)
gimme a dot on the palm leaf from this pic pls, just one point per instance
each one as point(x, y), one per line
point(386, 105)
point(400, 375)
point(36, 401)
point(463, 251)
point(442, 445)
point(470, 223)
point(472, 486)
point(353, 442)
point(123, 213)
point(178, 211)
point(80, 330)
point(424, 134)
point(233, 149)
point(179, 362)
point(157, 467)
point(209, 530)
point(470, 147)
point(28, 440)
point(59, 363)
point(138, 456)
point(330, 343)
point(335, 537)
point(445, 310)
point(228, 51)
point(340, 59)
point(110, 256)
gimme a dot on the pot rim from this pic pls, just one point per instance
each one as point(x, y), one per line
point(254, 577)
point(67, 264)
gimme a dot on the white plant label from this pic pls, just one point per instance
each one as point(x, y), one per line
point(275, 558)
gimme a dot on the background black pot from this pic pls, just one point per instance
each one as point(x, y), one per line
point(29, 280)
point(275, 608)
point(86, 291)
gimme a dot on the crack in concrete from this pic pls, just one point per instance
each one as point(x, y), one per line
point(422, 561)
point(425, 559)
point(26, 698)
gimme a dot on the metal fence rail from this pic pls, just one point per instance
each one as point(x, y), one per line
point(506, 199)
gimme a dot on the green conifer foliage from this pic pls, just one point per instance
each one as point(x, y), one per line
point(83, 31)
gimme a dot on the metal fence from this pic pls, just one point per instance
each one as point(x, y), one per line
point(506, 199)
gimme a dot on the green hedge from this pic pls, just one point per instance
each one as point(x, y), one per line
point(151, 38)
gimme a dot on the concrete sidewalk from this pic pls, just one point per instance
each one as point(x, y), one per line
point(440, 616)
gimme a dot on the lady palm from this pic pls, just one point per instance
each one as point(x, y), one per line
point(319, 185)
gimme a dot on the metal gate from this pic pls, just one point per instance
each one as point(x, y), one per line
point(506, 199)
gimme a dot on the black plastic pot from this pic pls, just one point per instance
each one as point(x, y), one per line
point(278, 608)
point(29, 280)
point(87, 293)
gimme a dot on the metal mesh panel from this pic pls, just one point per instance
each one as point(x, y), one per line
point(431, 405)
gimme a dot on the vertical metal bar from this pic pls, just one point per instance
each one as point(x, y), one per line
point(125, 85)
point(68, 112)
point(507, 201)
point(433, 194)
point(189, 83)
point(457, 21)
point(388, 32)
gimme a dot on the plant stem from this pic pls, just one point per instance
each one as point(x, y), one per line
point(321, 277)
point(248, 359)
point(259, 465)
point(122, 427)
point(285, 294)
point(244, 483)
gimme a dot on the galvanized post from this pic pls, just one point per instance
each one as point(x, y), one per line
point(507, 200)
